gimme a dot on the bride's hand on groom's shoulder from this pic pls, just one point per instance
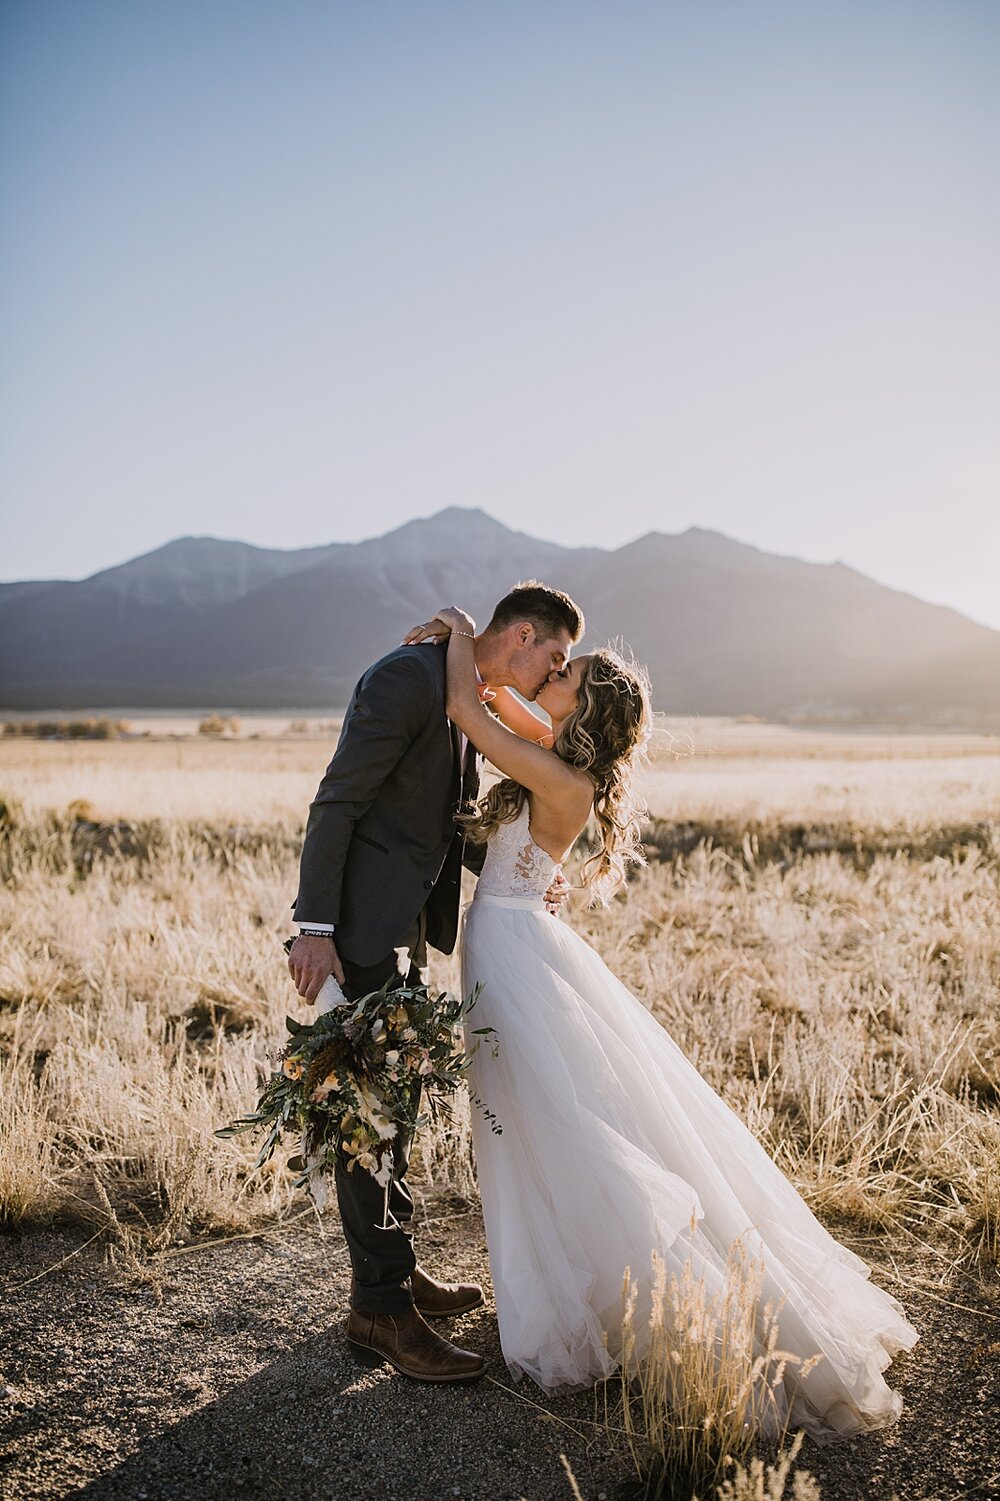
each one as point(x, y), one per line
point(433, 632)
point(456, 620)
point(449, 619)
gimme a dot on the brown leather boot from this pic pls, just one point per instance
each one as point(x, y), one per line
point(443, 1300)
point(439, 1300)
point(406, 1342)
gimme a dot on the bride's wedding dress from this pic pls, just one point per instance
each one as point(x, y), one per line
point(614, 1147)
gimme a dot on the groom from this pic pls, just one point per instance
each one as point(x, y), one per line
point(380, 879)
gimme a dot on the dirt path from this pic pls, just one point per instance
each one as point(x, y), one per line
point(236, 1383)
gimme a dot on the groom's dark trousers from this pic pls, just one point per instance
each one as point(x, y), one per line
point(382, 1260)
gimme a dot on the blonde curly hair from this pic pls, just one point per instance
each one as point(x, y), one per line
point(606, 736)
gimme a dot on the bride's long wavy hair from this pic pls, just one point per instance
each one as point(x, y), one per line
point(606, 736)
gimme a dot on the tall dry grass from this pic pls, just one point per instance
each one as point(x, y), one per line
point(27, 1138)
point(769, 1482)
point(701, 1378)
point(849, 1014)
point(138, 1001)
point(843, 1001)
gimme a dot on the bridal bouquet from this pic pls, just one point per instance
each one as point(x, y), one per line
point(351, 1080)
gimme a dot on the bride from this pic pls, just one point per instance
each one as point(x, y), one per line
point(607, 1145)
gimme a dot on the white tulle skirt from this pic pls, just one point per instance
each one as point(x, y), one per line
point(613, 1147)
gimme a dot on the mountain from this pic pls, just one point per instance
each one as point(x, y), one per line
point(60, 628)
point(201, 572)
point(724, 627)
point(732, 630)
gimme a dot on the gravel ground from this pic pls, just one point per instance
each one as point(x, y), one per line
point(234, 1380)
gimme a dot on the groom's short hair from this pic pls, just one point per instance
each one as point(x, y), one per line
point(549, 611)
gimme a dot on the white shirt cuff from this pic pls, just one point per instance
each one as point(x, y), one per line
point(317, 927)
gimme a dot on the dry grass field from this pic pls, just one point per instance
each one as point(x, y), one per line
point(840, 987)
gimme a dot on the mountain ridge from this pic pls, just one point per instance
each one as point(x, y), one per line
point(724, 626)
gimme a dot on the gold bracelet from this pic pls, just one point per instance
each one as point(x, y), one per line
point(470, 634)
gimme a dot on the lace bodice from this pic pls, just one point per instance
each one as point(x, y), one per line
point(515, 866)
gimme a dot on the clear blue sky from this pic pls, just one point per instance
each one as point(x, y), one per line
point(298, 272)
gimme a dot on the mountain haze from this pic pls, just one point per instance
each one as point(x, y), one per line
point(724, 627)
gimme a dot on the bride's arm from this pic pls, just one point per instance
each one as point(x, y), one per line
point(519, 718)
point(536, 768)
point(505, 705)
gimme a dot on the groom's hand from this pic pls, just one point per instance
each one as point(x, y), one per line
point(311, 961)
point(557, 894)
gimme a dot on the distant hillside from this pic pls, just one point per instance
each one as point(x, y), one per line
point(724, 627)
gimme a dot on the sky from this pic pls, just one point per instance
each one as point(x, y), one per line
point(298, 273)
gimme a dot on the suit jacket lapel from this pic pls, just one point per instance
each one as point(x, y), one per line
point(470, 775)
point(456, 759)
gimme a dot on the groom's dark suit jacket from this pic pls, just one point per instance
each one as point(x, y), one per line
point(381, 841)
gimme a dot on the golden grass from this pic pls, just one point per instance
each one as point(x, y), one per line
point(701, 1376)
point(845, 1007)
point(760, 1482)
point(27, 1138)
point(847, 1011)
point(705, 771)
point(144, 998)
point(912, 794)
point(222, 781)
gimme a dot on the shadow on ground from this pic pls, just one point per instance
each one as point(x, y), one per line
point(235, 1382)
point(314, 1424)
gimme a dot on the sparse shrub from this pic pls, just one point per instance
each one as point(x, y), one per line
point(11, 812)
point(81, 810)
point(66, 729)
point(316, 728)
point(217, 725)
